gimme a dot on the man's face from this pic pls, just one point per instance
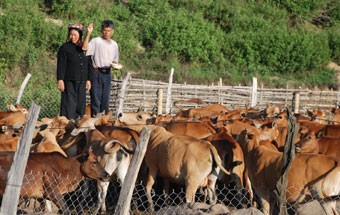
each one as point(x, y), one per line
point(107, 33)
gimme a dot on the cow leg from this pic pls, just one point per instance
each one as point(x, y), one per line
point(265, 205)
point(190, 190)
point(329, 207)
point(166, 188)
point(249, 188)
point(45, 205)
point(102, 192)
point(58, 200)
point(150, 182)
point(212, 178)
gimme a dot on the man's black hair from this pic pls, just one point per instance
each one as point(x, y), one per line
point(107, 24)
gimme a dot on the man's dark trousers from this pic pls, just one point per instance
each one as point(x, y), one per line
point(100, 92)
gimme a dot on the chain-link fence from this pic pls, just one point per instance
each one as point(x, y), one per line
point(83, 199)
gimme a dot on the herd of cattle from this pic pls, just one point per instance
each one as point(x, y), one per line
point(196, 148)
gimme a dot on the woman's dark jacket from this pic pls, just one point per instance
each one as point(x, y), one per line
point(73, 64)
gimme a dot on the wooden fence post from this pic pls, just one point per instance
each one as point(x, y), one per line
point(124, 201)
point(122, 94)
point(297, 101)
point(160, 102)
point(16, 173)
point(220, 83)
point(168, 97)
point(254, 93)
point(22, 87)
point(287, 160)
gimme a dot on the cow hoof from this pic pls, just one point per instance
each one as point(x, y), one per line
point(191, 205)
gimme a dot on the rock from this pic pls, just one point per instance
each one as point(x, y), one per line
point(219, 209)
point(246, 211)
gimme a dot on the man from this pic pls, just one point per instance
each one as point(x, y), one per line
point(104, 53)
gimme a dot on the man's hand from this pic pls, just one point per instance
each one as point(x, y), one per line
point(88, 85)
point(61, 85)
point(90, 27)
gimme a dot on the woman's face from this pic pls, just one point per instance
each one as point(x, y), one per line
point(74, 36)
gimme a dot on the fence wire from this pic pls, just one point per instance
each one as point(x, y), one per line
point(84, 197)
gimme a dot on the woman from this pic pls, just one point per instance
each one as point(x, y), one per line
point(73, 74)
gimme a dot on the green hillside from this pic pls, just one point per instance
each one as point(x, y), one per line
point(278, 41)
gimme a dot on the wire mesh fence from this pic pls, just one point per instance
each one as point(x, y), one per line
point(83, 199)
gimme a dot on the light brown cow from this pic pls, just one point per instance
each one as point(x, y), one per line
point(336, 116)
point(10, 145)
point(139, 118)
point(54, 175)
point(183, 160)
point(197, 113)
point(232, 157)
point(309, 175)
point(48, 144)
point(199, 130)
point(317, 115)
point(16, 116)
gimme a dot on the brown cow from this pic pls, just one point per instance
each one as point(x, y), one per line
point(183, 160)
point(317, 115)
point(197, 113)
point(309, 175)
point(329, 146)
point(199, 130)
point(48, 144)
point(336, 116)
point(233, 160)
point(53, 174)
point(16, 116)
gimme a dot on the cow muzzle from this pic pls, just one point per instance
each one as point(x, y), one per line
point(106, 177)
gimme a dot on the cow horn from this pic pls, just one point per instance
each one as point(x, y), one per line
point(112, 146)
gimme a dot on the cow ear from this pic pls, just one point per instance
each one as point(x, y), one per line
point(273, 124)
point(11, 108)
point(112, 146)
point(43, 127)
point(236, 163)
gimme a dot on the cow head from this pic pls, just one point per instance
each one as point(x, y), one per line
point(307, 144)
point(91, 168)
point(138, 118)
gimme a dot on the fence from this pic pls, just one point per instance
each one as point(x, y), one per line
point(84, 199)
point(129, 94)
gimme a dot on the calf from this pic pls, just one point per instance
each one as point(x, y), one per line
point(329, 146)
point(53, 174)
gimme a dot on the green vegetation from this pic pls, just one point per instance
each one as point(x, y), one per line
point(277, 41)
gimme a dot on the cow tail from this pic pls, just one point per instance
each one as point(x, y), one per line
point(217, 159)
